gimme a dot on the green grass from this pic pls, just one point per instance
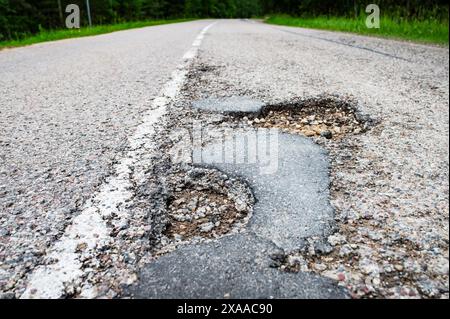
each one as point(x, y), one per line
point(429, 31)
point(54, 35)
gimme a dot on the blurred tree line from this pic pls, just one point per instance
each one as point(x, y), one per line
point(19, 18)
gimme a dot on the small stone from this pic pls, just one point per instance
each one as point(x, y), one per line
point(201, 211)
point(368, 267)
point(375, 236)
point(81, 247)
point(376, 281)
point(207, 227)
point(346, 250)
point(320, 267)
point(398, 267)
point(309, 133)
point(336, 239)
point(179, 217)
point(178, 202)
point(123, 224)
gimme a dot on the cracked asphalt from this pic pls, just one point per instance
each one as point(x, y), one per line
point(67, 109)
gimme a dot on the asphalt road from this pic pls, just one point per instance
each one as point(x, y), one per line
point(68, 110)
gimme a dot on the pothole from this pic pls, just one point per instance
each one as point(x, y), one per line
point(202, 213)
point(330, 118)
point(204, 204)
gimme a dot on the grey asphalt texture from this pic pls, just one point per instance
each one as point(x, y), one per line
point(66, 111)
point(68, 107)
point(293, 196)
point(239, 267)
point(235, 105)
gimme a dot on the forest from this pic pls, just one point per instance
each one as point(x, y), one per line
point(20, 18)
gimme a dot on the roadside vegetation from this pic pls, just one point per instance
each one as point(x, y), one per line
point(426, 31)
point(24, 22)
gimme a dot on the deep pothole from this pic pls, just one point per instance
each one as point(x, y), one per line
point(202, 213)
point(330, 118)
point(204, 204)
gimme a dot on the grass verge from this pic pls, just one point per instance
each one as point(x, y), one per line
point(54, 35)
point(429, 31)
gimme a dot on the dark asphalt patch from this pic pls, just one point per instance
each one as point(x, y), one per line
point(290, 184)
point(238, 266)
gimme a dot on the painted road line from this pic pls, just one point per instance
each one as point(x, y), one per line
point(89, 230)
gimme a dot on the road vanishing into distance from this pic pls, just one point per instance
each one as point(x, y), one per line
point(93, 203)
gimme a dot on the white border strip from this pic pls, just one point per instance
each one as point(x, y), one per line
point(88, 229)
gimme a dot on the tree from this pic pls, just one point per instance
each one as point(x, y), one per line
point(19, 18)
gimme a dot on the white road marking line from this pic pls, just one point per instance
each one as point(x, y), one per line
point(88, 229)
